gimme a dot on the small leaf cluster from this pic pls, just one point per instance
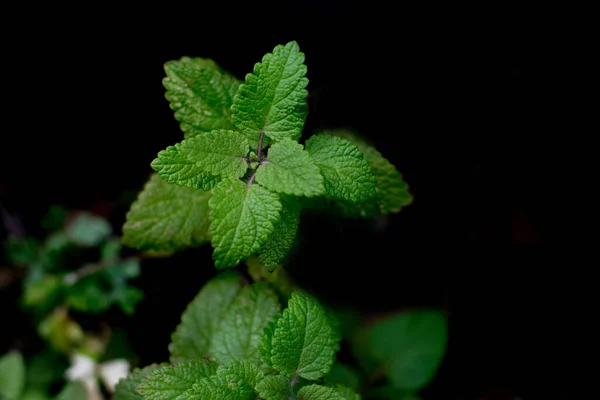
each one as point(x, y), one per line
point(235, 342)
point(76, 267)
point(241, 177)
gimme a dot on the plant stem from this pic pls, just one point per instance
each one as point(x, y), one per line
point(90, 269)
point(260, 159)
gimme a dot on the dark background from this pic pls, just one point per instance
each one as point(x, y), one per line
point(449, 98)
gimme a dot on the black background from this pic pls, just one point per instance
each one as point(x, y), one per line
point(448, 96)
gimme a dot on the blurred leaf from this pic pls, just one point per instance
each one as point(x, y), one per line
point(46, 368)
point(89, 294)
point(40, 290)
point(95, 293)
point(411, 346)
point(55, 218)
point(74, 390)
point(345, 375)
point(12, 375)
point(88, 229)
point(55, 248)
point(21, 250)
point(279, 278)
point(110, 250)
point(35, 394)
point(60, 330)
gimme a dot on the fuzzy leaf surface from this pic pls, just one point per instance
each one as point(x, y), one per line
point(201, 94)
point(347, 175)
point(242, 219)
point(276, 251)
point(273, 98)
point(242, 325)
point(167, 217)
point(290, 170)
point(194, 335)
point(303, 343)
point(175, 382)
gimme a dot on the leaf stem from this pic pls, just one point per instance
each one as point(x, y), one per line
point(260, 159)
point(92, 268)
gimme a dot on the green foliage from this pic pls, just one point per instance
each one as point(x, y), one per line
point(242, 219)
point(241, 160)
point(167, 217)
point(290, 170)
point(201, 94)
point(272, 101)
point(411, 346)
point(12, 375)
point(126, 388)
point(303, 342)
point(347, 174)
point(234, 342)
point(176, 381)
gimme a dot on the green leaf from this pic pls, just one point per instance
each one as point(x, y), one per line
point(241, 327)
point(38, 291)
point(60, 330)
point(167, 217)
point(88, 229)
point(242, 220)
point(392, 190)
point(274, 387)
point(233, 381)
point(21, 250)
point(200, 93)
point(110, 250)
point(173, 381)
point(345, 375)
point(12, 375)
point(411, 345)
point(266, 342)
point(318, 392)
point(194, 335)
point(214, 153)
point(273, 98)
point(347, 175)
point(346, 392)
point(126, 388)
point(74, 390)
point(303, 342)
point(175, 168)
point(290, 170)
point(275, 252)
point(279, 278)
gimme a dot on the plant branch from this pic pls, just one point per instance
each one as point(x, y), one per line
point(92, 268)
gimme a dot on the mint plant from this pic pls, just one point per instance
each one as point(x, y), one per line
point(240, 178)
point(234, 342)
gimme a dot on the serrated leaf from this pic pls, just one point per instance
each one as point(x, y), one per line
point(411, 345)
point(12, 375)
point(274, 387)
point(233, 381)
point(392, 190)
point(266, 341)
point(88, 229)
point(303, 342)
point(193, 337)
point(126, 388)
point(173, 166)
point(214, 153)
point(243, 323)
point(173, 381)
point(290, 170)
point(200, 93)
point(242, 220)
point(318, 392)
point(275, 252)
point(273, 98)
point(347, 175)
point(167, 217)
